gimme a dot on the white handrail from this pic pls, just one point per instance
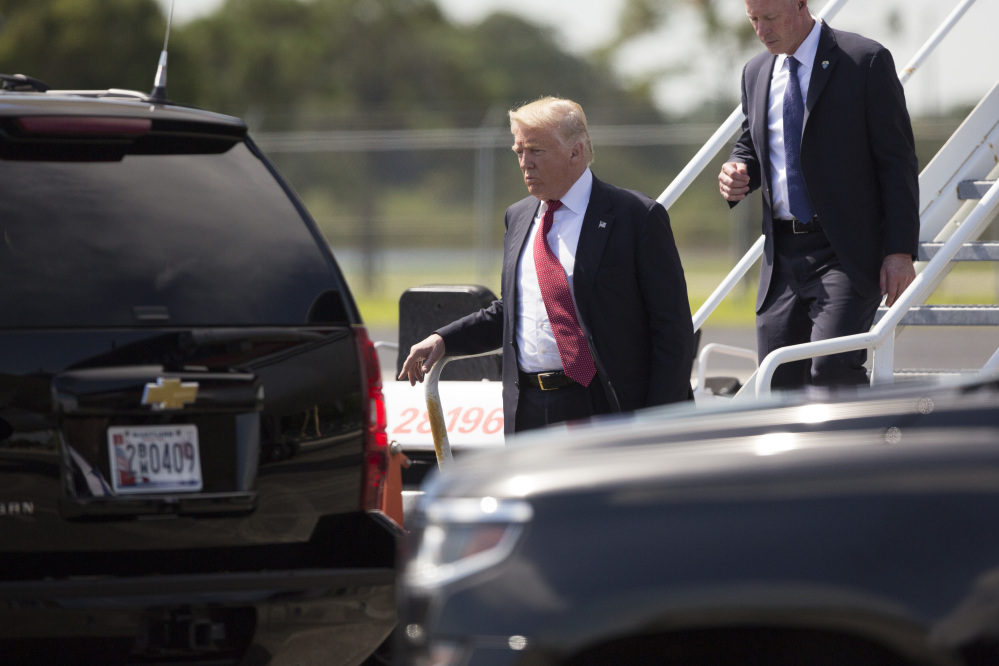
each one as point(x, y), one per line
point(916, 293)
point(726, 286)
point(716, 347)
point(702, 158)
point(934, 40)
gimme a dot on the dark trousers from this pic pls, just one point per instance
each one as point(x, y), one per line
point(540, 409)
point(811, 298)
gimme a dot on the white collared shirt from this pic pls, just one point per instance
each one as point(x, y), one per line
point(805, 55)
point(536, 348)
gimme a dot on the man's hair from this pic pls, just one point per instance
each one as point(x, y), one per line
point(553, 113)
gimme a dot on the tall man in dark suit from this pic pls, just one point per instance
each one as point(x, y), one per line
point(840, 196)
point(593, 315)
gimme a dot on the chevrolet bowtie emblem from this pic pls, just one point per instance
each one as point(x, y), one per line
point(169, 394)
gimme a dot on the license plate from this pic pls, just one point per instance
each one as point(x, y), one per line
point(154, 459)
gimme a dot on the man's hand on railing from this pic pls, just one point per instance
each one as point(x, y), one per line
point(733, 181)
point(422, 357)
point(897, 273)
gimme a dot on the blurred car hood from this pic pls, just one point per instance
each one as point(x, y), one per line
point(856, 439)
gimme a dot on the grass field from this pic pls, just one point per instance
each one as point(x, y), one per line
point(378, 297)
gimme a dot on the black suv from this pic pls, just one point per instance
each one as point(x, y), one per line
point(193, 458)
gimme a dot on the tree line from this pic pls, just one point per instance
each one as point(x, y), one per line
point(310, 63)
point(315, 65)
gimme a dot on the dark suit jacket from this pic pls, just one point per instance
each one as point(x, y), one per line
point(631, 297)
point(857, 155)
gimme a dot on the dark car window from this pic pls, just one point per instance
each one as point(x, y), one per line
point(190, 239)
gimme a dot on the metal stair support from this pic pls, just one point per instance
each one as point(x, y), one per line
point(970, 155)
point(956, 177)
point(975, 251)
point(953, 315)
point(948, 315)
point(973, 189)
point(952, 197)
point(881, 338)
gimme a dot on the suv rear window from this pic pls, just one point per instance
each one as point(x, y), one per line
point(170, 239)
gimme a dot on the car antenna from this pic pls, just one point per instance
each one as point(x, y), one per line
point(159, 85)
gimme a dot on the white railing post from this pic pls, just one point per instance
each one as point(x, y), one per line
point(883, 361)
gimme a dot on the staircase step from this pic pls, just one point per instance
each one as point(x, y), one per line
point(948, 315)
point(973, 189)
point(976, 251)
point(916, 373)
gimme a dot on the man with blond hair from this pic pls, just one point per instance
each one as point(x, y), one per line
point(828, 139)
point(593, 315)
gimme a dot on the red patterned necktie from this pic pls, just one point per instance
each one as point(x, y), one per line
point(576, 360)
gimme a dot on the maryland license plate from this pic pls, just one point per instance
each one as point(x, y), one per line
point(154, 459)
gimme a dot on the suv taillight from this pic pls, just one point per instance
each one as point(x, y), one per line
point(376, 451)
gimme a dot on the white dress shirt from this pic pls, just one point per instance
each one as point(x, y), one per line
point(805, 55)
point(536, 348)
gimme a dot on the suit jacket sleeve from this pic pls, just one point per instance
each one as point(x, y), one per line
point(483, 331)
point(744, 151)
point(893, 148)
point(664, 291)
point(476, 333)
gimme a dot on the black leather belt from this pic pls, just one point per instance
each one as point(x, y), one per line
point(546, 381)
point(796, 226)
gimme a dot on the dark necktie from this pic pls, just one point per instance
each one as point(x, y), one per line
point(794, 116)
point(576, 359)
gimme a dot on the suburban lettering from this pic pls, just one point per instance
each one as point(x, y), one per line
point(17, 508)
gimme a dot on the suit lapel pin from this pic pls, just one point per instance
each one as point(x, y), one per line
point(602, 224)
point(825, 64)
